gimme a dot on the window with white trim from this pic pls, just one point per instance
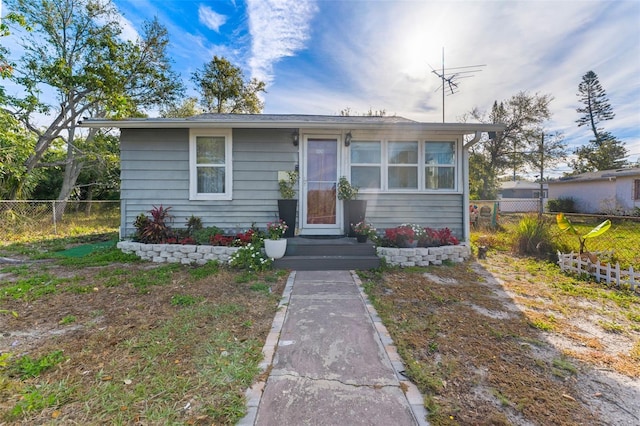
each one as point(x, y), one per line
point(403, 165)
point(366, 164)
point(210, 170)
point(440, 165)
point(397, 166)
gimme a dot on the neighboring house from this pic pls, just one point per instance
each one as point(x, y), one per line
point(522, 189)
point(606, 191)
point(521, 196)
point(224, 169)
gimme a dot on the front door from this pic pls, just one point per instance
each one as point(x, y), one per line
point(320, 178)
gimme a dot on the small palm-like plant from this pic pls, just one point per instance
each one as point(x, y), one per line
point(565, 225)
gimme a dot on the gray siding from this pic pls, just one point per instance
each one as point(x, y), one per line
point(432, 210)
point(155, 170)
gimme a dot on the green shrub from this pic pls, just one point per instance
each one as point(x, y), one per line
point(250, 257)
point(532, 237)
point(203, 236)
point(565, 205)
point(194, 224)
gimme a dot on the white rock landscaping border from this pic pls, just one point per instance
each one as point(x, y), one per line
point(188, 254)
point(178, 253)
point(421, 256)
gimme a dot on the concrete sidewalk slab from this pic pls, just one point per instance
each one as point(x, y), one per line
point(331, 365)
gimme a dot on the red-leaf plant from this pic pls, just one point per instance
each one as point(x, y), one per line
point(156, 230)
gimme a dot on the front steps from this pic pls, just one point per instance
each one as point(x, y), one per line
point(310, 254)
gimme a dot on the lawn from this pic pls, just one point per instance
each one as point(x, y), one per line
point(93, 336)
point(511, 340)
point(98, 337)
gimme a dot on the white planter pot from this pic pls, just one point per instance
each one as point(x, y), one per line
point(275, 248)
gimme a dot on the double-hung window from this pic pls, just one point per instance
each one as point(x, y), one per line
point(398, 166)
point(210, 171)
point(366, 164)
point(440, 165)
point(403, 165)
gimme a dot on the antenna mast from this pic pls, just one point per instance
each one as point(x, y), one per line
point(450, 77)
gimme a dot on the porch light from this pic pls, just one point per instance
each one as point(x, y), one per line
point(347, 139)
point(295, 137)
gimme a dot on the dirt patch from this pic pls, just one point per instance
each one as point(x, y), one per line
point(104, 319)
point(473, 343)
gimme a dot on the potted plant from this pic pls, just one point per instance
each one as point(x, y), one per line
point(354, 210)
point(275, 246)
point(363, 231)
point(287, 205)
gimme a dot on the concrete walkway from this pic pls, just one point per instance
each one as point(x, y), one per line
point(332, 361)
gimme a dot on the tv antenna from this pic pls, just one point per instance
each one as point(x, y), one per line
point(451, 76)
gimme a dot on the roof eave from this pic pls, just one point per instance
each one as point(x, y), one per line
point(464, 128)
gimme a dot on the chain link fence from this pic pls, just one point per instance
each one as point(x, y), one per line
point(622, 239)
point(33, 217)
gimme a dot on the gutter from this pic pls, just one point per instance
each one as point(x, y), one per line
point(443, 128)
point(473, 141)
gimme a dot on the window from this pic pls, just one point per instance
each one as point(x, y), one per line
point(394, 166)
point(439, 160)
point(366, 164)
point(403, 165)
point(210, 165)
point(636, 189)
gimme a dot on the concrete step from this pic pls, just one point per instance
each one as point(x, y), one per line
point(329, 249)
point(327, 263)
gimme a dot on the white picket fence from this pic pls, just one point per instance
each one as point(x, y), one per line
point(581, 264)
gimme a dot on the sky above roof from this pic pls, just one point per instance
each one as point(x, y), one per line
point(322, 56)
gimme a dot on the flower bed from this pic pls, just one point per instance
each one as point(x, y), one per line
point(188, 254)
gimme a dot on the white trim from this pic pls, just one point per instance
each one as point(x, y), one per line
point(193, 177)
point(319, 229)
point(421, 165)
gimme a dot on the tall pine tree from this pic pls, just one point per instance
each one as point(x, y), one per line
point(604, 151)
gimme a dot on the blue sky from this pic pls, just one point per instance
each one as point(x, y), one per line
point(321, 56)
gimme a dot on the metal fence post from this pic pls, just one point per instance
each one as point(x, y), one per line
point(55, 227)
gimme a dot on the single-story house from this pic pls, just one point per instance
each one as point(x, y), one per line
point(521, 196)
point(605, 191)
point(522, 189)
point(224, 168)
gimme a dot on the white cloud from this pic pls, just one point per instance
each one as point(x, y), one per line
point(211, 19)
point(278, 28)
point(128, 30)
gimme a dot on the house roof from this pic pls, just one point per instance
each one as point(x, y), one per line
point(261, 121)
point(521, 184)
point(599, 175)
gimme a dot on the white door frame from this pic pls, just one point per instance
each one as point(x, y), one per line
point(319, 229)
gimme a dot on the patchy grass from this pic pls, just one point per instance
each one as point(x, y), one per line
point(107, 339)
point(479, 359)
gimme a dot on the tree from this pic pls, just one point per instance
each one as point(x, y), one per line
point(604, 151)
point(523, 116)
point(76, 51)
point(16, 144)
point(184, 109)
point(224, 89)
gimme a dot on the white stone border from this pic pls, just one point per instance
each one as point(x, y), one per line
point(187, 254)
point(421, 256)
point(178, 253)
